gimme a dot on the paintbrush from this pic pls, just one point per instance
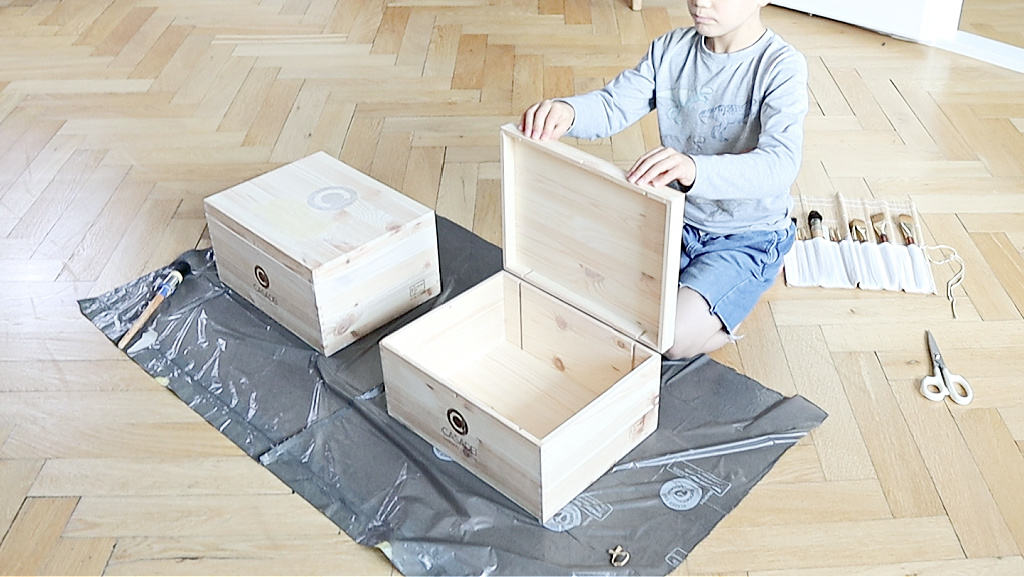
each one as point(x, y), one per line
point(881, 226)
point(859, 230)
point(907, 228)
point(814, 223)
point(178, 271)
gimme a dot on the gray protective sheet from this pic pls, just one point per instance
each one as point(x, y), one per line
point(321, 425)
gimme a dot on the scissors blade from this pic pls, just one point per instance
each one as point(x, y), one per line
point(933, 349)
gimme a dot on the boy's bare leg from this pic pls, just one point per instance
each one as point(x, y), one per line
point(697, 329)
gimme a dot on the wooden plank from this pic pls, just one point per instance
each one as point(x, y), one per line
point(124, 31)
point(423, 175)
point(443, 50)
point(34, 534)
point(392, 159)
point(62, 375)
point(487, 218)
point(95, 247)
point(55, 199)
point(761, 350)
point(196, 516)
point(1005, 260)
point(826, 91)
point(896, 458)
point(497, 84)
point(361, 142)
point(528, 82)
point(838, 440)
point(991, 300)
point(16, 478)
point(332, 126)
point(229, 553)
point(79, 557)
point(244, 108)
point(819, 502)
point(969, 504)
point(77, 439)
point(416, 41)
point(860, 99)
point(127, 261)
point(469, 62)
point(391, 31)
point(456, 197)
point(113, 476)
point(988, 566)
point(739, 549)
point(295, 136)
point(799, 464)
point(994, 450)
point(273, 112)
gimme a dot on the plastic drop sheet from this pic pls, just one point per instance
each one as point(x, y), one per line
point(321, 425)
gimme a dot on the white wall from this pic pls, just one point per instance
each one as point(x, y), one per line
point(926, 21)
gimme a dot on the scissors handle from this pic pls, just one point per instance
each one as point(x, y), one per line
point(937, 388)
point(933, 388)
point(958, 388)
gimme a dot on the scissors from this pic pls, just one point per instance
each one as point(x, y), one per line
point(942, 383)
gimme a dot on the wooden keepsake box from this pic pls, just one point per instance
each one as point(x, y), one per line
point(323, 249)
point(544, 375)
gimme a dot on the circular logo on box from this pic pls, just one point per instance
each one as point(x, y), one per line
point(261, 276)
point(458, 422)
point(331, 198)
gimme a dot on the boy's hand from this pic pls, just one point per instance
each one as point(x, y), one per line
point(547, 120)
point(661, 166)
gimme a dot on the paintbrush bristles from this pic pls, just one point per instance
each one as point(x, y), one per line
point(859, 230)
point(907, 228)
point(881, 226)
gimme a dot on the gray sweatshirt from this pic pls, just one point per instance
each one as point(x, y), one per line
point(739, 116)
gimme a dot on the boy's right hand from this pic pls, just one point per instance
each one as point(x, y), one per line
point(547, 120)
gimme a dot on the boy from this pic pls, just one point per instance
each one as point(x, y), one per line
point(731, 97)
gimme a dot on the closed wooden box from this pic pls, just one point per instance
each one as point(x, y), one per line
point(541, 377)
point(323, 249)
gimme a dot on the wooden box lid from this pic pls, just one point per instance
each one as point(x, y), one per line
point(313, 211)
point(576, 228)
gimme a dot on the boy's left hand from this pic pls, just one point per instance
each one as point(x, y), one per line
point(661, 166)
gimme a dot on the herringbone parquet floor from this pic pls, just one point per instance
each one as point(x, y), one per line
point(117, 117)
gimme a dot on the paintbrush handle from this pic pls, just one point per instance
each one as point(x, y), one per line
point(165, 289)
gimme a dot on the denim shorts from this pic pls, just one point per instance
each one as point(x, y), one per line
point(732, 271)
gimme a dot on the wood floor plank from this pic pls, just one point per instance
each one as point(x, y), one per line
point(969, 504)
point(819, 502)
point(838, 440)
point(991, 566)
point(76, 439)
point(260, 554)
point(762, 352)
point(110, 477)
point(992, 446)
point(196, 516)
point(16, 477)
point(823, 545)
point(79, 557)
point(896, 458)
point(423, 175)
point(34, 534)
point(456, 196)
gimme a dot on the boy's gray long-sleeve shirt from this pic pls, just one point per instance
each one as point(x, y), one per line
point(738, 115)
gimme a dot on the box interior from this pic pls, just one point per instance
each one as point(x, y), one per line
point(573, 226)
point(519, 353)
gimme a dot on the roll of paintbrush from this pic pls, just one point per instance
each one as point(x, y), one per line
point(174, 277)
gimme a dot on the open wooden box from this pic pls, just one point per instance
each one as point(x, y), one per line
point(325, 250)
point(544, 375)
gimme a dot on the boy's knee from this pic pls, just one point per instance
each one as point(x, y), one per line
point(685, 348)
